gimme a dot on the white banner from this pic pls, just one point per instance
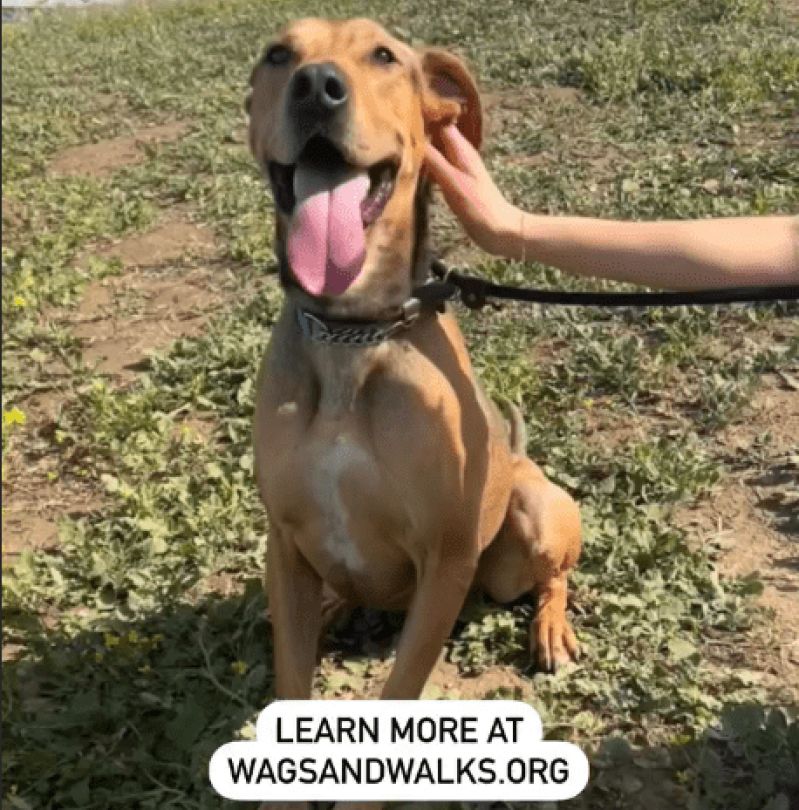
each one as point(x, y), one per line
point(396, 750)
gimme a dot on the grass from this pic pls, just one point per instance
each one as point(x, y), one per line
point(136, 664)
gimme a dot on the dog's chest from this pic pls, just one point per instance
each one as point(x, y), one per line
point(338, 464)
point(353, 525)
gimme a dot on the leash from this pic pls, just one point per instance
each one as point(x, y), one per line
point(475, 292)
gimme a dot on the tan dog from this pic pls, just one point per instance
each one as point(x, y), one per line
point(388, 476)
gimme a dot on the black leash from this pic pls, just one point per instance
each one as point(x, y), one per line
point(475, 293)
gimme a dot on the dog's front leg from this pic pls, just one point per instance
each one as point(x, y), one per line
point(435, 606)
point(295, 604)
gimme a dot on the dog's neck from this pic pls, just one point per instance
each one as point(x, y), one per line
point(341, 376)
point(341, 373)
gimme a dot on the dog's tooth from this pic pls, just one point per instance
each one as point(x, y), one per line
point(374, 204)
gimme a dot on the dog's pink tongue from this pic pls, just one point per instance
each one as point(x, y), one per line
point(326, 245)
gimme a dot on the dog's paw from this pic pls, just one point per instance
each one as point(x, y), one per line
point(552, 641)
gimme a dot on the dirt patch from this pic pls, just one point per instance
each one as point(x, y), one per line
point(104, 157)
point(168, 242)
point(40, 500)
point(121, 319)
point(749, 543)
point(563, 95)
point(752, 519)
point(447, 681)
point(37, 491)
point(507, 108)
point(26, 530)
point(515, 98)
point(775, 413)
point(609, 429)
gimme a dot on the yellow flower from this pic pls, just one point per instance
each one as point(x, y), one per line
point(19, 301)
point(239, 667)
point(14, 417)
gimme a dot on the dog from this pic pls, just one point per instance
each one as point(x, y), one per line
point(389, 478)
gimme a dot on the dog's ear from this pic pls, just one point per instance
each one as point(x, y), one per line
point(450, 95)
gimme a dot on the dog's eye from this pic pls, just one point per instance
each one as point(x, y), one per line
point(277, 55)
point(383, 56)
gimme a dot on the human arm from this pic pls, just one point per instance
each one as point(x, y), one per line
point(670, 254)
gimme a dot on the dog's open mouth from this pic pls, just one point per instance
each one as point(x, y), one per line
point(331, 204)
point(320, 152)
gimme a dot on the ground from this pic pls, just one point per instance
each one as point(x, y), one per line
point(138, 292)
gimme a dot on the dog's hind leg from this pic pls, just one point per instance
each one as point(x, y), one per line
point(538, 543)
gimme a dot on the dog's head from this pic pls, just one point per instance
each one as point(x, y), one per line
point(339, 116)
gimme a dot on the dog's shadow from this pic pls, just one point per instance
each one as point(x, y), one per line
point(365, 639)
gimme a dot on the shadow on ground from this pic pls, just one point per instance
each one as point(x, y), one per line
point(128, 716)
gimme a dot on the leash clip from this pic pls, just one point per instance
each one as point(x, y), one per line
point(410, 311)
point(471, 290)
point(311, 327)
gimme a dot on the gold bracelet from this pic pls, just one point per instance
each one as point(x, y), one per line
point(524, 241)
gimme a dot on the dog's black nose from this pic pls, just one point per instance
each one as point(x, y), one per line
point(318, 90)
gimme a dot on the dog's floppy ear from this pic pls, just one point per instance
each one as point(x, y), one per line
point(450, 95)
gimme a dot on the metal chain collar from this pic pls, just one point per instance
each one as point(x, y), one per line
point(354, 333)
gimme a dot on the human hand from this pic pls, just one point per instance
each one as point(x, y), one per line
point(470, 192)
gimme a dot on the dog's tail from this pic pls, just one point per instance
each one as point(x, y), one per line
point(518, 429)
